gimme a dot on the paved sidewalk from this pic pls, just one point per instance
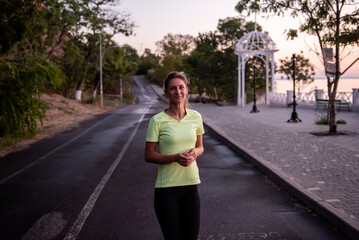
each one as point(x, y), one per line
point(323, 172)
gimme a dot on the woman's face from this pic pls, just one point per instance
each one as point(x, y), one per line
point(176, 91)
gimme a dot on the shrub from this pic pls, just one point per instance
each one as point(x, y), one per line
point(21, 85)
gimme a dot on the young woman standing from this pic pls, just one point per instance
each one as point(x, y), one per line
point(177, 131)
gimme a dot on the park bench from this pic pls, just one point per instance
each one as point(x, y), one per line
point(338, 102)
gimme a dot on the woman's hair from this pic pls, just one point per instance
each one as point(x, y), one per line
point(173, 75)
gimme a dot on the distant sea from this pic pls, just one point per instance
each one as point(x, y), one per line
point(345, 85)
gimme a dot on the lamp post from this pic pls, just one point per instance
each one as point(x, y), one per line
point(101, 57)
point(294, 117)
point(254, 109)
point(121, 88)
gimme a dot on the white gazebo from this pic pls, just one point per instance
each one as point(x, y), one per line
point(256, 44)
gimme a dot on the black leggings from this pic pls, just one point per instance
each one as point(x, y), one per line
point(178, 212)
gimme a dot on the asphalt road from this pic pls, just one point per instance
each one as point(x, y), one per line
point(92, 182)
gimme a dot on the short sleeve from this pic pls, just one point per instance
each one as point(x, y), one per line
point(152, 131)
point(200, 129)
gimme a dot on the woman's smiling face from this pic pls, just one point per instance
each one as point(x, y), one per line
point(176, 91)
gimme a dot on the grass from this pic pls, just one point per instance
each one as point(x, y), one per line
point(65, 110)
point(8, 140)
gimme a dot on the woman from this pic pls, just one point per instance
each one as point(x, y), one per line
point(177, 131)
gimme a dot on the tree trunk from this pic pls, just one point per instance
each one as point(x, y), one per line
point(334, 85)
point(94, 89)
point(94, 93)
point(95, 84)
point(82, 81)
point(59, 42)
point(332, 115)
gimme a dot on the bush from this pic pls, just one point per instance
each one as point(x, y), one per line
point(21, 85)
point(324, 121)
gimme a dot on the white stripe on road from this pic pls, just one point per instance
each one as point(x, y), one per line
point(77, 226)
point(56, 149)
point(48, 154)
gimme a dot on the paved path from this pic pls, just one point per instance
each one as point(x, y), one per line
point(323, 172)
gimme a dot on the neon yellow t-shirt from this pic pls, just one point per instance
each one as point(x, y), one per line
point(174, 137)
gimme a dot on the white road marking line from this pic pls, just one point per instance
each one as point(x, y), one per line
point(77, 226)
point(48, 154)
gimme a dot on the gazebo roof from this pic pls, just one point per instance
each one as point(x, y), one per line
point(255, 42)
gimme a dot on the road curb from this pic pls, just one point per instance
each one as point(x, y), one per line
point(334, 216)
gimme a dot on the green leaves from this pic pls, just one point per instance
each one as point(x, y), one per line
point(48, 45)
point(303, 68)
point(20, 90)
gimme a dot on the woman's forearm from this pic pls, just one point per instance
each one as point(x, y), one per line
point(155, 157)
point(199, 151)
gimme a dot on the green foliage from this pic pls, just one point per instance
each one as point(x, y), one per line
point(325, 121)
point(177, 45)
point(20, 89)
point(53, 45)
point(341, 121)
point(212, 66)
point(147, 61)
point(117, 63)
point(172, 51)
point(322, 118)
point(322, 121)
point(16, 18)
point(304, 70)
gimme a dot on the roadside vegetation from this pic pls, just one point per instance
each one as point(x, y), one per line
point(53, 47)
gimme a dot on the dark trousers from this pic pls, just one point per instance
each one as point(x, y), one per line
point(178, 212)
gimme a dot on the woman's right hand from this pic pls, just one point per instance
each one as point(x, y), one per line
point(185, 159)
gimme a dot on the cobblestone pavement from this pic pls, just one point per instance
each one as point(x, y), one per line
point(323, 172)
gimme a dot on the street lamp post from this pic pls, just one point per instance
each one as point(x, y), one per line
point(121, 88)
point(101, 57)
point(294, 117)
point(254, 109)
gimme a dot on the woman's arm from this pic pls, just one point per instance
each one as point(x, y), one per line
point(197, 151)
point(185, 159)
point(152, 156)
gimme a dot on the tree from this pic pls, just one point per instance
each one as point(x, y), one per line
point(21, 85)
point(49, 45)
point(148, 61)
point(303, 69)
point(177, 45)
point(334, 23)
point(213, 64)
point(172, 49)
point(24, 72)
point(119, 62)
point(96, 19)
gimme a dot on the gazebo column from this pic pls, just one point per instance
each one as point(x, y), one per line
point(239, 96)
point(243, 63)
point(272, 61)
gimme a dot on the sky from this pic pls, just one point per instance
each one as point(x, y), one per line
point(156, 18)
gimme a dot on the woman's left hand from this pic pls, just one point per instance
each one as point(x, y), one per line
point(187, 157)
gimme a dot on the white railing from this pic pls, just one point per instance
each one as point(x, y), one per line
point(278, 97)
point(345, 96)
point(305, 97)
point(308, 98)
